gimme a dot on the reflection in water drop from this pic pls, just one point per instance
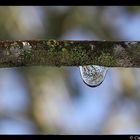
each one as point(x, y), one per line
point(93, 75)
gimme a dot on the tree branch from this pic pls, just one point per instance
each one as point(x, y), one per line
point(69, 53)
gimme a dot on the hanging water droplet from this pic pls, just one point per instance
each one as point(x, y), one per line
point(93, 75)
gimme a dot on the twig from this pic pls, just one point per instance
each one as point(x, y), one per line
point(69, 53)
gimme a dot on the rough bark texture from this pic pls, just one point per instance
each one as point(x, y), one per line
point(69, 53)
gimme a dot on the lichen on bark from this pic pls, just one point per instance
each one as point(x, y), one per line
point(69, 53)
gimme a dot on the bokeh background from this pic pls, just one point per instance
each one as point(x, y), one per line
point(51, 100)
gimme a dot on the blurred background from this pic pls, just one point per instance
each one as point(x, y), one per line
point(51, 100)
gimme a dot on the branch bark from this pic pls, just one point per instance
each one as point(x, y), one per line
point(69, 53)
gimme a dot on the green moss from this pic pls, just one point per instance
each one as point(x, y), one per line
point(80, 55)
point(67, 53)
point(106, 59)
point(64, 50)
point(52, 43)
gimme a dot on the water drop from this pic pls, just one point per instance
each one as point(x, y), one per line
point(93, 75)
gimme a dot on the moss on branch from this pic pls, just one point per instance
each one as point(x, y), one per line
point(69, 53)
